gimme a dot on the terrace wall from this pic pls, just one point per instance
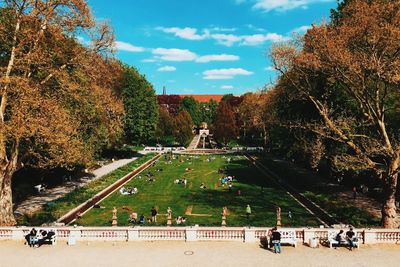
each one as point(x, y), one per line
point(194, 233)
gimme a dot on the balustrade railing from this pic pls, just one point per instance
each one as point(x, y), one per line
point(366, 236)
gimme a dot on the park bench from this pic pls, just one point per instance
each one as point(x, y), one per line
point(287, 237)
point(34, 240)
point(332, 239)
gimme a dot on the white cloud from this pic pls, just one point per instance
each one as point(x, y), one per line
point(148, 60)
point(226, 87)
point(270, 68)
point(222, 57)
point(224, 74)
point(302, 29)
point(258, 39)
point(167, 69)
point(122, 46)
point(284, 5)
point(226, 39)
point(174, 54)
point(254, 28)
point(219, 29)
point(184, 33)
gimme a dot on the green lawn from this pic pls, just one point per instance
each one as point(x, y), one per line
point(314, 188)
point(54, 210)
point(207, 203)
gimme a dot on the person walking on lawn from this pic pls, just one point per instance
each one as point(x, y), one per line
point(248, 211)
point(153, 215)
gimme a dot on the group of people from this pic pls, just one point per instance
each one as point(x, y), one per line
point(181, 181)
point(228, 180)
point(350, 237)
point(36, 239)
point(180, 220)
point(128, 191)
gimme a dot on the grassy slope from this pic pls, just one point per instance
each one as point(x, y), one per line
point(54, 210)
point(163, 193)
point(315, 189)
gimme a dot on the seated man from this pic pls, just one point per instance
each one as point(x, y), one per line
point(46, 237)
point(350, 236)
point(28, 239)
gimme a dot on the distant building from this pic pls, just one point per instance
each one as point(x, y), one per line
point(205, 98)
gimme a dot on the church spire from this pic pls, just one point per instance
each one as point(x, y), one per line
point(164, 91)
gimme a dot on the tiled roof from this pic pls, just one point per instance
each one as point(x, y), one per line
point(205, 98)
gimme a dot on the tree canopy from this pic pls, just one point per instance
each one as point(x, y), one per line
point(344, 77)
point(140, 105)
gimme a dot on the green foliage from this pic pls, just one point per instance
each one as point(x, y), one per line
point(140, 106)
point(165, 127)
point(183, 128)
point(193, 108)
point(208, 111)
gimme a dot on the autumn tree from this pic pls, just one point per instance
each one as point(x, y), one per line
point(349, 73)
point(225, 127)
point(256, 114)
point(171, 102)
point(140, 105)
point(46, 78)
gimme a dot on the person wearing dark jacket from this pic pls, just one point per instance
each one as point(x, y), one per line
point(276, 240)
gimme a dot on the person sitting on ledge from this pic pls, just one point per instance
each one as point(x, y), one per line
point(133, 217)
point(32, 233)
point(46, 237)
point(350, 236)
point(141, 219)
point(339, 237)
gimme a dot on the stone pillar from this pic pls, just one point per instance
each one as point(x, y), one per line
point(133, 233)
point(169, 214)
point(191, 233)
point(250, 235)
point(223, 214)
point(308, 234)
point(369, 236)
point(114, 217)
point(17, 233)
point(278, 216)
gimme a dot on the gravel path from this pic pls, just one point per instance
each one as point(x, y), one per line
point(170, 253)
point(35, 203)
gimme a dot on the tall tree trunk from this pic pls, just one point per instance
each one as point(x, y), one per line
point(389, 205)
point(6, 205)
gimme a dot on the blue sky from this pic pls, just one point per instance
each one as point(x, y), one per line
point(206, 46)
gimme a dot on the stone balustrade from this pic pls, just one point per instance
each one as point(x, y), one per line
point(195, 233)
